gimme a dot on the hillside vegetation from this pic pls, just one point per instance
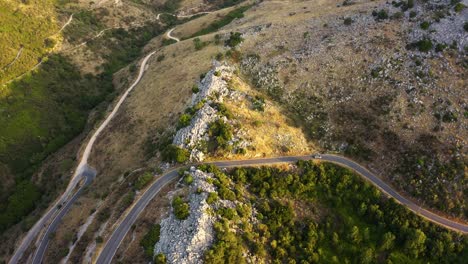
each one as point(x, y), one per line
point(320, 213)
point(49, 107)
point(28, 26)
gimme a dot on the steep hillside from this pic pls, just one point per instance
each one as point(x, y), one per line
point(29, 29)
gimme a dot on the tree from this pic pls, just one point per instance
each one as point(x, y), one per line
point(150, 239)
point(235, 39)
point(387, 241)
point(174, 153)
point(355, 236)
point(181, 208)
point(415, 243)
point(368, 256)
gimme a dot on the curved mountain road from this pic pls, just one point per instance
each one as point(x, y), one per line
point(80, 172)
point(129, 219)
point(168, 34)
point(88, 175)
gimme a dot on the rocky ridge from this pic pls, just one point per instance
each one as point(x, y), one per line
point(213, 88)
point(185, 241)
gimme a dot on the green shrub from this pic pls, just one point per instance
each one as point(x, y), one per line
point(184, 120)
point(235, 38)
point(143, 180)
point(99, 239)
point(174, 153)
point(181, 208)
point(258, 103)
point(424, 45)
point(413, 14)
point(199, 44)
point(161, 57)
point(188, 179)
point(195, 89)
point(160, 259)
point(220, 133)
point(465, 26)
point(381, 14)
point(241, 151)
point(212, 198)
point(217, 73)
point(398, 15)
point(459, 7)
point(424, 25)
point(440, 47)
point(348, 21)
point(150, 239)
point(223, 110)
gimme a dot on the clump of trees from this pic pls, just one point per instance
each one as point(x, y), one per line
point(150, 239)
point(235, 38)
point(358, 224)
point(175, 153)
point(181, 208)
point(220, 133)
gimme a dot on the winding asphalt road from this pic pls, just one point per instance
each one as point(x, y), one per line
point(126, 223)
point(88, 175)
point(81, 171)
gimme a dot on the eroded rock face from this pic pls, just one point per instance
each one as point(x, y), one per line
point(185, 241)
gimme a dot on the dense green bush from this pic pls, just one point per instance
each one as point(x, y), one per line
point(212, 197)
point(188, 179)
point(459, 7)
point(184, 120)
point(258, 103)
point(160, 259)
point(380, 15)
point(220, 133)
point(223, 110)
point(181, 208)
point(424, 45)
point(440, 47)
point(174, 153)
point(195, 89)
point(424, 25)
point(143, 180)
point(235, 38)
point(348, 21)
point(150, 239)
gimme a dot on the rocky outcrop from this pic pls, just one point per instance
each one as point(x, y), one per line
point(185, 241)
point(213, 88)
point(190, 136)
